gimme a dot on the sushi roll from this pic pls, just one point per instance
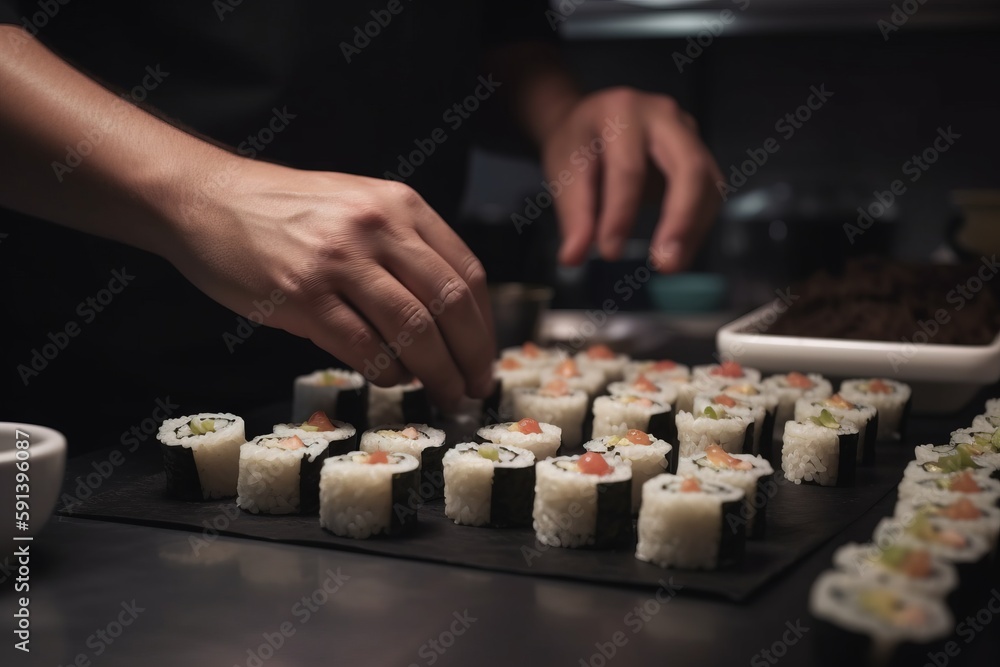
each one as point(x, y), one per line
point(864, 620)
point(399, 404)
point(616, 415)
point(539, 438)
point(343, 395)
point(948, 488)
point(863, 417)
point(695, 432)
point(532, 356)
point(986, 422)
point(966, 516)
point(342, 437)
point(555, 403)
point(788, 389)
point(279, 474)
point(657, 370)
point(650, 456)
point(489, 485)
point(201, 455)
point(420, 441)
point(933, 468)
point(511, 374)
point(968, 552)
point(362, 495)
point(890, 398)
point(900, 567)
point(688, 523)
point(820, 450)
point(589, 380)
point(603, 358)
point(728, 372)
point(762, 420)
point(641, 386)
point(751, 474)
point(583, 501)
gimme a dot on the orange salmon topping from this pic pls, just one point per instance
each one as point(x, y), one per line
point(528, 425)
point(510, 364)
point(378, 457)
point(642, 383)
point(567, 369)
point(593, 463)
point(293, 442)
point(690, 485)
point(554, 388)
point(665, 365)
point(637, 437)
point(798, 380)
point(961, 509)
point(916, 564)
point(727, 401)
point(839, 401)
point(410, 432)
point(720, 457)
point(728, 369)
point(530, 350)
point(321, 421)
point(964, 483)
point(600, 352)
point(877, 386)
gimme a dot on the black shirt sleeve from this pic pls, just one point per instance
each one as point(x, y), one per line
point(9, 12)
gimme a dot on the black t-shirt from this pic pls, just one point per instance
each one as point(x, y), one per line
point(339, 86)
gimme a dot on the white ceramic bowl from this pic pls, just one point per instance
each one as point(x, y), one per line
point(46, 459)
point(944, 378)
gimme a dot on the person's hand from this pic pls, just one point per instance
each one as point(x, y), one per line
point(603, 144)
point(368, 271)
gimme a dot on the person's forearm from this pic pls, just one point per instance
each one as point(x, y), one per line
point(541, 90)
point(80, 156)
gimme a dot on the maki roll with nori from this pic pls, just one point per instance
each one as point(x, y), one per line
point(968, 552)
point(751, 474)
point(583, 501)
point(711, 426)
point(279, 474)
point(649, 456)
point(539, 438)
point(616, 415)
point(555, 403)
point(657, 370)
point(201, 454)
point(489, 485)
point(820, 451)
point(867, 622)
point(424, 443)
point(590, 380)
point(343, 437)
point(603, 359)
point(788, 389)
point(728, 372)
point(900, 566)
point(662, 391)
point(343, 395)
point(399, 404)
point(511, 374)
point(362, 495)
point(533, 356)
point(949, 487)
point(890, 398)
point(757, 413)
point(964, 514)
point(863, 417)
point(688, 523)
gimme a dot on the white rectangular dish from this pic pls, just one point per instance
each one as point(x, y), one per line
point(944, 377)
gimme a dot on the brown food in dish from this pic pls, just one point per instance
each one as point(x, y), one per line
point(878, 299)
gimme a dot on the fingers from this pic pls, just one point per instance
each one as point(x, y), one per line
point(337, 328)
point(410, 332)
point(691, 202)
point(624, 176)
point(577, 204)
point(454, 307)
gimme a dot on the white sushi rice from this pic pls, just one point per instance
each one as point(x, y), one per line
point(269, 475)
point(705, 372)
point(992, 406)
point(917, 471)
point(891, 531)
point(987, 524)
point(986, 422)
point(745, 480)
point(511, 379)
point(389, 438)
point(864, 560)
point(929, 488)
point(547, 356)
point(320, 390)
point(565, 509)
point(342, 431)
point(858, 416)
point(666, 392)
point(567, 412)
point(650, 370)
point(695, 433)
point(589, 380)
point(542, 445)
point(788, 395)
point(811, 453)
point(743, 408)
point(468, 480)
point(682, 528)
point(615, 415)
point(385, 404)
point(216, 453)
point(355, 498)
point(647, 461)
point(890, 406)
